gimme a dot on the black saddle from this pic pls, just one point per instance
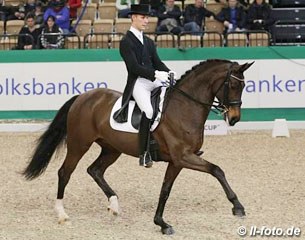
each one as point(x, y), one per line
point(155, 101)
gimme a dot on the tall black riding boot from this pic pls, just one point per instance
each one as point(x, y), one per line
point(144, 137)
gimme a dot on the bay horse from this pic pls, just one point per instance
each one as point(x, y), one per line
point(84, 119)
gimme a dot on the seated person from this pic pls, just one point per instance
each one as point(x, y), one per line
point(233, 17)
point(16, 12)
point(19, 12)
point(73, 6)
point(25, 42)
point(38, 12)
point(194, 15)
point(259, 16)
point(4, 11)
point(243, 3)
point(123, 7)
point(61, 13)
point(49, 41)
point(154, 6)
point(29, 6)
point(169, 18)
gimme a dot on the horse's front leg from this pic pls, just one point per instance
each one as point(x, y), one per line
point(194, 162)
point(170, 176)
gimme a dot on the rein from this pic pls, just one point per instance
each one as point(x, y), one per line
point(221, 107)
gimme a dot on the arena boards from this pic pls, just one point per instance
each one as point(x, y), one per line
point(30, 92)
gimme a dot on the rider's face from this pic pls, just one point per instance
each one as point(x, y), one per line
point(139, 21)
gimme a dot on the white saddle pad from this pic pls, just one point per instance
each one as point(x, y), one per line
point(127, 126)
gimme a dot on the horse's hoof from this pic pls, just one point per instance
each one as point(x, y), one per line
point(63, 220)
point(114, 205)
point(114, 213)
point(239, 212)
point(168, 231)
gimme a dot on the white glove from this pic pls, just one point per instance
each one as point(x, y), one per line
point(161, 75)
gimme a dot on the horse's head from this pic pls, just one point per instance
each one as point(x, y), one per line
point(215, 77)
point(230, 92)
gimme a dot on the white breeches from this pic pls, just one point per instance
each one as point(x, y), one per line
point(141, 93)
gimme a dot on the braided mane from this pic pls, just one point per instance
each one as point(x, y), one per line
point(202, 64)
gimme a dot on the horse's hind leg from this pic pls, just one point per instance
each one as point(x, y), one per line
point(194, 162)
point(97, 169)
point(64, 173)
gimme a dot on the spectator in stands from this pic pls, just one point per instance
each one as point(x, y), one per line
point(259, 16)
point(22, 10)
point(123, 7)
point(4, 11)
point(154, 6)
point(16, 13)
point(38, 12)
point(73, 6)
point(61, 13)
point(233, 17)
point(169, 18)
point(194, 15)
point(51, 35)
point(243, 3)
point(29, 6)
point(25, 42)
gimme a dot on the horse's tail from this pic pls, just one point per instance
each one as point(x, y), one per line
point(48, 142)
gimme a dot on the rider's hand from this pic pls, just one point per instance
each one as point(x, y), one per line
point(161, 75)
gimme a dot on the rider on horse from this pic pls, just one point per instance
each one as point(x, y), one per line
point(145, 73)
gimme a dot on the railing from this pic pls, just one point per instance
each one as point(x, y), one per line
point(162, 40)
point(71, 40)
point(10, 41)
point(200, 39)
point(248, 39)
point(102, 40)
point(53, 40)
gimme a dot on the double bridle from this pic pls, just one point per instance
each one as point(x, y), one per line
point(222, 107)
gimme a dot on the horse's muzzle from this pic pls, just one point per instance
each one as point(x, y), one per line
point(233, 115)
point(233, 120)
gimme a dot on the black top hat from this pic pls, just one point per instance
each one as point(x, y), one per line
point(142, 9)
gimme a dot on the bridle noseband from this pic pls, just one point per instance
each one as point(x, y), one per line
point(222, 107)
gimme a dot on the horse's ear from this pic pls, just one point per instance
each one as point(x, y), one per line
point(245, 66)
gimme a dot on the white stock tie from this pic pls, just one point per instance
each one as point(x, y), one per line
point(140, 37)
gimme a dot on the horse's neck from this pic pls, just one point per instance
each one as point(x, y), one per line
point(200, 88)
point(186, 111)
point(204, 85)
